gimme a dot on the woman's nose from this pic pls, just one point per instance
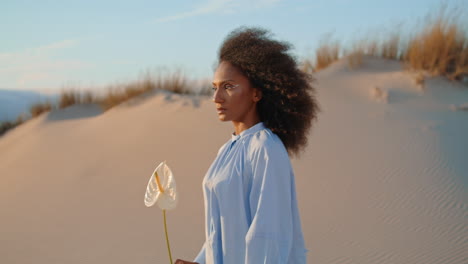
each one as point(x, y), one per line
point(218, 96)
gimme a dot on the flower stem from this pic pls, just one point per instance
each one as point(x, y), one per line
point(167, 237)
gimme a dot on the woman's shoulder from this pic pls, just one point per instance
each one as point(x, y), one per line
point(223, 147)
point(267, 142)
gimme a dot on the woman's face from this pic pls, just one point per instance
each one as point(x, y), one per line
point(234, 96)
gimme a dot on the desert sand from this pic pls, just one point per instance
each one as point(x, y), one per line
point(383, 180)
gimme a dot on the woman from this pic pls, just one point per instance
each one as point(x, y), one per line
point(251, 208)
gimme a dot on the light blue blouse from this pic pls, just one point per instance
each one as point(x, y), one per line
point(251, 212)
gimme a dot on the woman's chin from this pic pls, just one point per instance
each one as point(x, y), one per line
point(222, 117)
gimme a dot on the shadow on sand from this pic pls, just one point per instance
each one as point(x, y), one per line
point(75, 112)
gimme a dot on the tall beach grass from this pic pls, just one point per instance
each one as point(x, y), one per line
point(440, 47)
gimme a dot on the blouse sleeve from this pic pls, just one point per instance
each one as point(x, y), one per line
point(201, 256)
point(269, 238)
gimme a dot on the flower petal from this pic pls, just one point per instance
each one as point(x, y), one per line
point(167, 197)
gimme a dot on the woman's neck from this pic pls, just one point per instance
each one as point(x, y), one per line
point(241, 126)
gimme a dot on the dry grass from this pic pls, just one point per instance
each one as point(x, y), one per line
point(307, 66)
point(39, 108)
point(5, 126)
point(441, 49)
point(119, 94)
point(355, 59)
point(88, 97)
point(355, 56)
point(326, 54)
point(371, 47)
point(175, 82)
point(390, 48)
point(69, 98)
point(360, 48)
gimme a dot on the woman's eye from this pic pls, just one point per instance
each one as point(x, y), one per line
point(213, 89)
point(228, 86)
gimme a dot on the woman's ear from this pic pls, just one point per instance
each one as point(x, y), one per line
point(257, 95)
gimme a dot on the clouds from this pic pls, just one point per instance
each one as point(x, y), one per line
point(219, 6)
point(39, 66)
point(210, 7)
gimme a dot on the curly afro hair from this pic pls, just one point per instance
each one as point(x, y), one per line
point(288, 105)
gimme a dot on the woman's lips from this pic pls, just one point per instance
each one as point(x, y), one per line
point(220, 110)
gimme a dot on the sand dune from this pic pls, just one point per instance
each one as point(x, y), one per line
point(380, 182)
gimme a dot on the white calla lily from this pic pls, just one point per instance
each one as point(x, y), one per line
point(161, 189)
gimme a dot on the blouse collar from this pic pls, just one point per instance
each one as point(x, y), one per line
point(255, 128)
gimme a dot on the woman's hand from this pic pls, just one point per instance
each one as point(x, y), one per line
point(179, 261)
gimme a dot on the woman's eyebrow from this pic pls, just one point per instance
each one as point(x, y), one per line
point(222, 82)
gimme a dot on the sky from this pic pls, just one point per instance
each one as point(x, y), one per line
point(49, 45)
